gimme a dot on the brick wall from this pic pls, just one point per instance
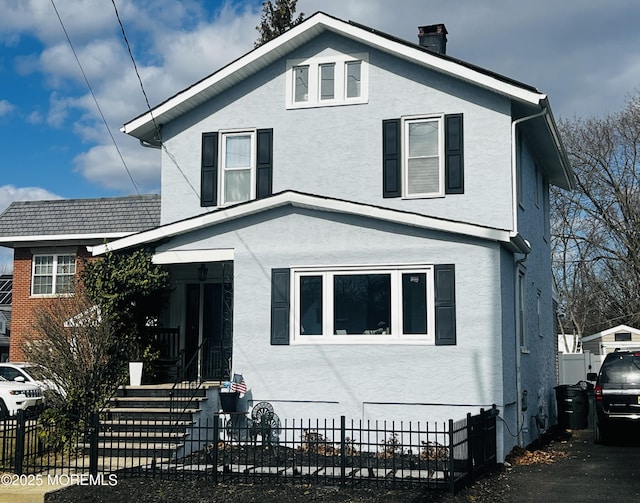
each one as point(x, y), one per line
point(23, 306)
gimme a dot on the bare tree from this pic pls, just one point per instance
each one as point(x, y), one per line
point(79, 353)
point(596, 229)
point(277, 17)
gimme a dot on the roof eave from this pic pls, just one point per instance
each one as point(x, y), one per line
point(48, 239)
point(311, 202)
point(144, 126)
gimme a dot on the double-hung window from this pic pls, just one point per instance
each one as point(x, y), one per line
point(53, 274)
point(338, 79)
point(238, 163)
point(237, 166)
point(358, 304)
point(423, 156)
point(423, 170)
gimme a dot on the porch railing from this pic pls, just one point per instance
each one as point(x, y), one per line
point(170, 362)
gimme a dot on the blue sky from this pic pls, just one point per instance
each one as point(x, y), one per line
point(583, 53)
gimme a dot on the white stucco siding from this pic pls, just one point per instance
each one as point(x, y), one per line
point(357, 379)
point(337, 151)
point(538, 359)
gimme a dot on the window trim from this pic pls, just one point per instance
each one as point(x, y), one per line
point(224, 134)
point(406, 122)
point(521, 310)
point(314, 65)
point(54, 274)
point(395, 337)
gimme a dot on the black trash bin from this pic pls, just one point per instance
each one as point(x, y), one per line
point(573, 407)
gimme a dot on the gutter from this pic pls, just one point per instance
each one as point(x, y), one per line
point(514, 179)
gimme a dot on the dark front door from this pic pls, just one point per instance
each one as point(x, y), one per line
point(208, 331)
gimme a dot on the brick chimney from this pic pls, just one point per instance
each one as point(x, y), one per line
point(433, 37)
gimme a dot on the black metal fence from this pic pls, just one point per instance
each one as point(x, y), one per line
point(233, 448)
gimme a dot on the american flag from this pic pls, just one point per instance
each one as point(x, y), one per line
point(238, 384)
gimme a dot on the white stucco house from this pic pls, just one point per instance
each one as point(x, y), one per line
point(360, 225)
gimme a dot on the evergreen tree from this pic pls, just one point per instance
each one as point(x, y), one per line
point(277, 17)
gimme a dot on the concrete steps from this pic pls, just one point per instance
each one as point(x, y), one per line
point(151, 421)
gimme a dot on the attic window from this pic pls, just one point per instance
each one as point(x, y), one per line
point(623, 337)
point(340, 79)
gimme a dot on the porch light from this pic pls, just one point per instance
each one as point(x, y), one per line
point(202, 272)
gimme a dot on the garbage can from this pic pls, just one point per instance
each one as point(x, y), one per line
point(573, 407)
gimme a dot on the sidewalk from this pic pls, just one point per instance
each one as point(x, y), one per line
point(25, 494)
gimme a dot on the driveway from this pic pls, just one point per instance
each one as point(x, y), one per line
point(590, 472)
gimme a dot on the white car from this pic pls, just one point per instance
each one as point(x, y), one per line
point(27, 373)
point(15, 396)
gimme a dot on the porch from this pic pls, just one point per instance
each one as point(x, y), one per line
point(208, 362)
point(194, 341)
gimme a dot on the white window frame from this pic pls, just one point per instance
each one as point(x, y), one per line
point(54, 274)
point(223, 135)
point(406, 122)
point(394, 337)
point(314, 64)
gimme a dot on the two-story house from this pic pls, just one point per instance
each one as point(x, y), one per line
point(360, 225)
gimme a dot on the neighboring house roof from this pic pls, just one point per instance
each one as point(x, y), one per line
point(310, 201)
point(609, 331)
point(78, 219)
point(526, 100)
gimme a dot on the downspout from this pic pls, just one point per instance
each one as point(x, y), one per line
point(514, 171)
point(514, 232)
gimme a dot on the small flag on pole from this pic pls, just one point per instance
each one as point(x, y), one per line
point(238, 384)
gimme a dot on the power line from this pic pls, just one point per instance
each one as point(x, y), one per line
point(156, 127)
point(104, 120)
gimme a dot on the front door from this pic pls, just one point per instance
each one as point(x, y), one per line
point(208, 342)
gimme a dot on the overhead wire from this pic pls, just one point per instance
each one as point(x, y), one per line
point(95, 99)
point(157, 132)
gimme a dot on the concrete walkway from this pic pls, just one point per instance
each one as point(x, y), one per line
point(26, 493)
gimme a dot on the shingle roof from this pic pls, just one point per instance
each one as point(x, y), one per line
point(80, 216)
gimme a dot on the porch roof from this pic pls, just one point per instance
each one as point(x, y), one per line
point(309, 201)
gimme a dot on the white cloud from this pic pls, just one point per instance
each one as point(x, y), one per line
point(10, 193)
point(5, 107)
point(581, 52)
point(103, 166)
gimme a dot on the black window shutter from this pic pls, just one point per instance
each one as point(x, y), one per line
point(454, 158)
point(391, 158)
point(209, 170)
point(280, 305)
point(264, 168)
point(445, 293)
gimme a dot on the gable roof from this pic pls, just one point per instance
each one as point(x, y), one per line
point(526, 100)
point(78, 219)
point(314, 202)
point(609, 331)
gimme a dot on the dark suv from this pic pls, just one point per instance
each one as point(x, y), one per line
point(617, 392)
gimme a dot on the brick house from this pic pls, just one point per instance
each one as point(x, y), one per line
point(48, 239)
